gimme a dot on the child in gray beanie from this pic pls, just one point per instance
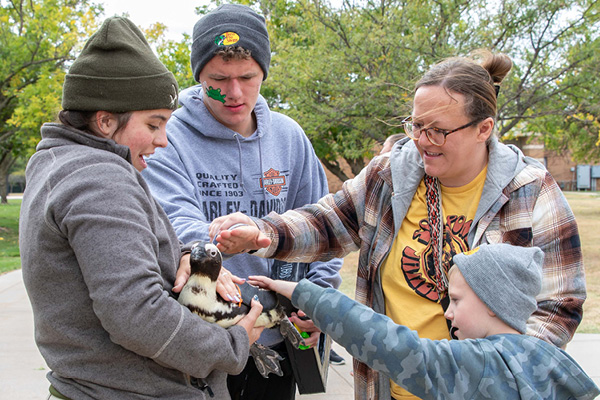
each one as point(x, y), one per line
point(506, 280)
point(492, 293)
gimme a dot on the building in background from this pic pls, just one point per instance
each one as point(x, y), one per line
point(569, 175)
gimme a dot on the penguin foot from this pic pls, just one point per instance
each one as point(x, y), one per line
point(289, 331)
point(266, 360)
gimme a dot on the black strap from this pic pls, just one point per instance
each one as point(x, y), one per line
point(289, 271)
point(201, 384)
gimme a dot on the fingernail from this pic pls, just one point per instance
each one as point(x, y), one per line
point(237, 299)
point(255, 297)
point(229, 297)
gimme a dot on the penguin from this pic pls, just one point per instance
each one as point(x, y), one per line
point(200, 296)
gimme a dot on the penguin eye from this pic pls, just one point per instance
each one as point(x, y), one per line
point(211, 250)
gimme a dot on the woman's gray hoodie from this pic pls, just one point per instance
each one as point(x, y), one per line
point(99, 259)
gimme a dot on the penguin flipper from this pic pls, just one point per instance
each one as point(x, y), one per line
point(266, 360)
point(267, 298)
point(289, 331)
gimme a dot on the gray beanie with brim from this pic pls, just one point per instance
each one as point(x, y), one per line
point(506, 278)
point(230, 25)
point(117, 71)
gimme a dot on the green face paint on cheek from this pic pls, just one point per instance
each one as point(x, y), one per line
point(215, 94)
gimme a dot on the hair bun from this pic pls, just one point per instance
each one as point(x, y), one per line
point(497, 65)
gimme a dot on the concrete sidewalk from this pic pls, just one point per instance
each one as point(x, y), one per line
point(23, 370)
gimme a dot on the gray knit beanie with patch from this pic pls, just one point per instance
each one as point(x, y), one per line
point(506, 278)
point(117, 71)
point(230, 25)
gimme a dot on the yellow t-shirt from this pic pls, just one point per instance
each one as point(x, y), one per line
point(408, 275)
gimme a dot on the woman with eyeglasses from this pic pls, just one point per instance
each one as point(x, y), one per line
point(447, 188)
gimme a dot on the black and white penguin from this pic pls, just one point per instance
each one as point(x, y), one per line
point(200, 295)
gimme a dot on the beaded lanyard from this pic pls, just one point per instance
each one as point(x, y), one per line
point(433, 196)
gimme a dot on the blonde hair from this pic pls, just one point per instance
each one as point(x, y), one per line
point(451, 271)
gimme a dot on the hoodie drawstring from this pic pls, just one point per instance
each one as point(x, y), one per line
point(261, 169)
point(237, 138)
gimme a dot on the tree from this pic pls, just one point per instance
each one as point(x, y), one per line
point(175, 55)
point(37, 40)
point(346, 74)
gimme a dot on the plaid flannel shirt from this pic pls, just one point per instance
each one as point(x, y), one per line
point(529, 210)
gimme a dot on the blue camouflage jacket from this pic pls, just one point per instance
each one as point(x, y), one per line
point(507, 366)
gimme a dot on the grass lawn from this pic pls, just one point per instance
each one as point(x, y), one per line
point(9, 236)
point(585, 205)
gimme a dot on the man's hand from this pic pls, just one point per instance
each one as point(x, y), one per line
point(306, 325)
point(227, 221)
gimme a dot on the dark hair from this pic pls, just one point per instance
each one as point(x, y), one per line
point(477, 82)
point(82, 119)
point(234, 53)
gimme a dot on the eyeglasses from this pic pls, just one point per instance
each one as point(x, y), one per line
point(436, 136)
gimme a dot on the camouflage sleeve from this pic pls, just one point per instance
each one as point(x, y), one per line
point(428, 369)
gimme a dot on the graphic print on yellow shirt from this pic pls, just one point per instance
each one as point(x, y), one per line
point(408, 275)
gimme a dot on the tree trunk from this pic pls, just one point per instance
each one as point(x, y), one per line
point(335, 169)
point(7, 161)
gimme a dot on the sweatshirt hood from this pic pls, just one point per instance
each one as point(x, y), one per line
point(56, 135)
point(194, 113)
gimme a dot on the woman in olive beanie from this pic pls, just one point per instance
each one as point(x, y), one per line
point(99, 255)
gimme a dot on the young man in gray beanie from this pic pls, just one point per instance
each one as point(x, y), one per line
point(492, 293)
point(229, 152)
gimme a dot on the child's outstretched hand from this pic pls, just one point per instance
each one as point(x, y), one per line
point(284, 288)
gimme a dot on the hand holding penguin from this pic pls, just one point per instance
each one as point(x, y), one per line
point(200, 295)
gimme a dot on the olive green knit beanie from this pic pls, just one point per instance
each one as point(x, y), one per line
point(117, 71)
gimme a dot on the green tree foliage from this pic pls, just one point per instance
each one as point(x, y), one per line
point(345, 70)
point(553, 89)
point(175, 55)
point(37, 39)
point(346, 73)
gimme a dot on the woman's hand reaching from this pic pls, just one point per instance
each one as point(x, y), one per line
point(244, 236)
